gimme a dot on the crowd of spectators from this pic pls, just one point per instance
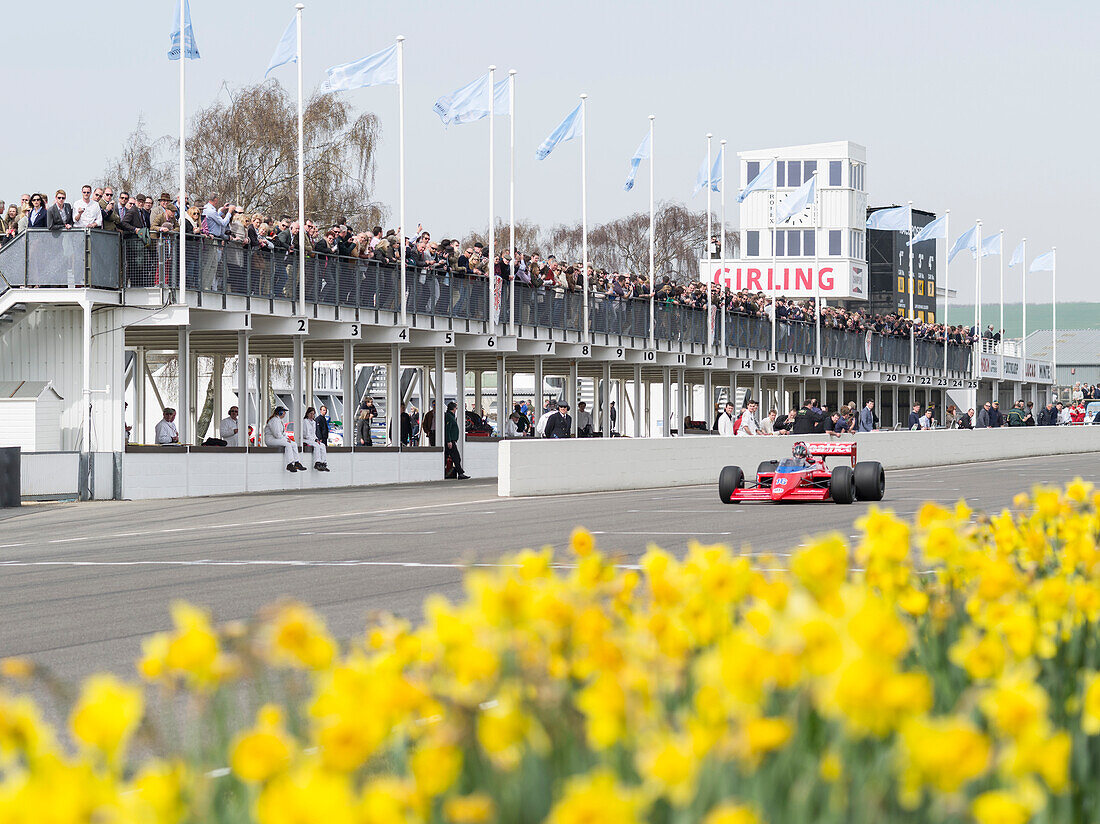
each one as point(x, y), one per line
point(233, 231)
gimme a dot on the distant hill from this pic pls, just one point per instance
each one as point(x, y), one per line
point(1070, 316)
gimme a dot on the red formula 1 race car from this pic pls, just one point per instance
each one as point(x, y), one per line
point(804, 477)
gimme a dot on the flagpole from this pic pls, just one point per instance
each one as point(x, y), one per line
point(492, 213)
point(946, 284)
point(817, 278)
point(1002, 291)
point(978, 295)
point(652, 274)
point(775, 259)
point(706, 247)
point(511, 201)
point(584, 209)
point(183, 162)
point(301, 182)
point(1023, 339)
point(1054, 310)
point(912, 313)
point(401, 173)
point(722, 265)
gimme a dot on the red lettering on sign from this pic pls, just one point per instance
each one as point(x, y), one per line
point(826, 282)
point(753, 279)
point(803, 278)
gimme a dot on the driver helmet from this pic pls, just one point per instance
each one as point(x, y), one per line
point(799, 450)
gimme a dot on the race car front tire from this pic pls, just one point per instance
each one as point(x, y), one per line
point(842, 485)
point(870, 481)
point(729, 481)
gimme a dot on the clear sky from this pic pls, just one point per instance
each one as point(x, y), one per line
point(986, 108)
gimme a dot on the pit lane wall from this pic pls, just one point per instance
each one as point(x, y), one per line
point(180, 472)
point(540, 467)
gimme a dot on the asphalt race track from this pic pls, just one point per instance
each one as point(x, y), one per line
point(81, 584)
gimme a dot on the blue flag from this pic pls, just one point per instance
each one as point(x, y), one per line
point(191, 51)
point(715, 175)
point(796, 201)
point(764, 180)
point(1017, 255)
point(378, 69)
point(572, 126)
point(967, 240)
point(1043, 263)
point(640, 154)
point(287, 50)
point(890, 220)
point(991, 245)
point(934, 230)
point(471, 102)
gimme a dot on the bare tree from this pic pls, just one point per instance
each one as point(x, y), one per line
point(246, 150)
point(528, 236)
point(144, 165)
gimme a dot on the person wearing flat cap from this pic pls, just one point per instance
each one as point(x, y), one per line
point(560, 424)
point(275, 435)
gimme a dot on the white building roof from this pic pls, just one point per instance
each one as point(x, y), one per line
point(836, 150)
point(26, 390)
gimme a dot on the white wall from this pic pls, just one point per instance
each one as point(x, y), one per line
point(176, 474)
point(480, 458)
point(44, 474)
point(538, 467)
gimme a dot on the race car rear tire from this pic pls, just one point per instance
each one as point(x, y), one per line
point(766, 466)
point(842, 485)
point(870, 481)
point(729, 481)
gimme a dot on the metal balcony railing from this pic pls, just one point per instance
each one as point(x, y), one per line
point(105, 259)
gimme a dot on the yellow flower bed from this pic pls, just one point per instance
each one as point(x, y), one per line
point(937, 671)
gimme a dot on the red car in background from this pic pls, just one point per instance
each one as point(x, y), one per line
point(807, 478)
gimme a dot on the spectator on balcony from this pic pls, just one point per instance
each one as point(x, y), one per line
point(37, 216)
point(60, 214)
point(215, 223)
point(163, 213)
point(109, 209)
point(86, 211)
point(1016, 414)
point(136, 218)
point(10, 222)
point(166, 432)
point(965, 420)
point(806, 419)
point(310, 439)
point(867, 417)
point(927, 422)
point(950, 416)
point(275, 435)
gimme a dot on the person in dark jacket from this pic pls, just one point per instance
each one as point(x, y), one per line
point(428, 424)
point(451, 435)
point(806, 419)
point(965, 420)
point(996, 418)
point(560, 424)
point(323, 425)
point(60, 214)
point(914, 417)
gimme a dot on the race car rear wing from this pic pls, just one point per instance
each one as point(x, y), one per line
point(833, 448)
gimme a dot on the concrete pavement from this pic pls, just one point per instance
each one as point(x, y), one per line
point(82, 584)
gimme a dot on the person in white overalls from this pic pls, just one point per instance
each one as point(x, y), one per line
point(309, 437)
point(275, 435)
